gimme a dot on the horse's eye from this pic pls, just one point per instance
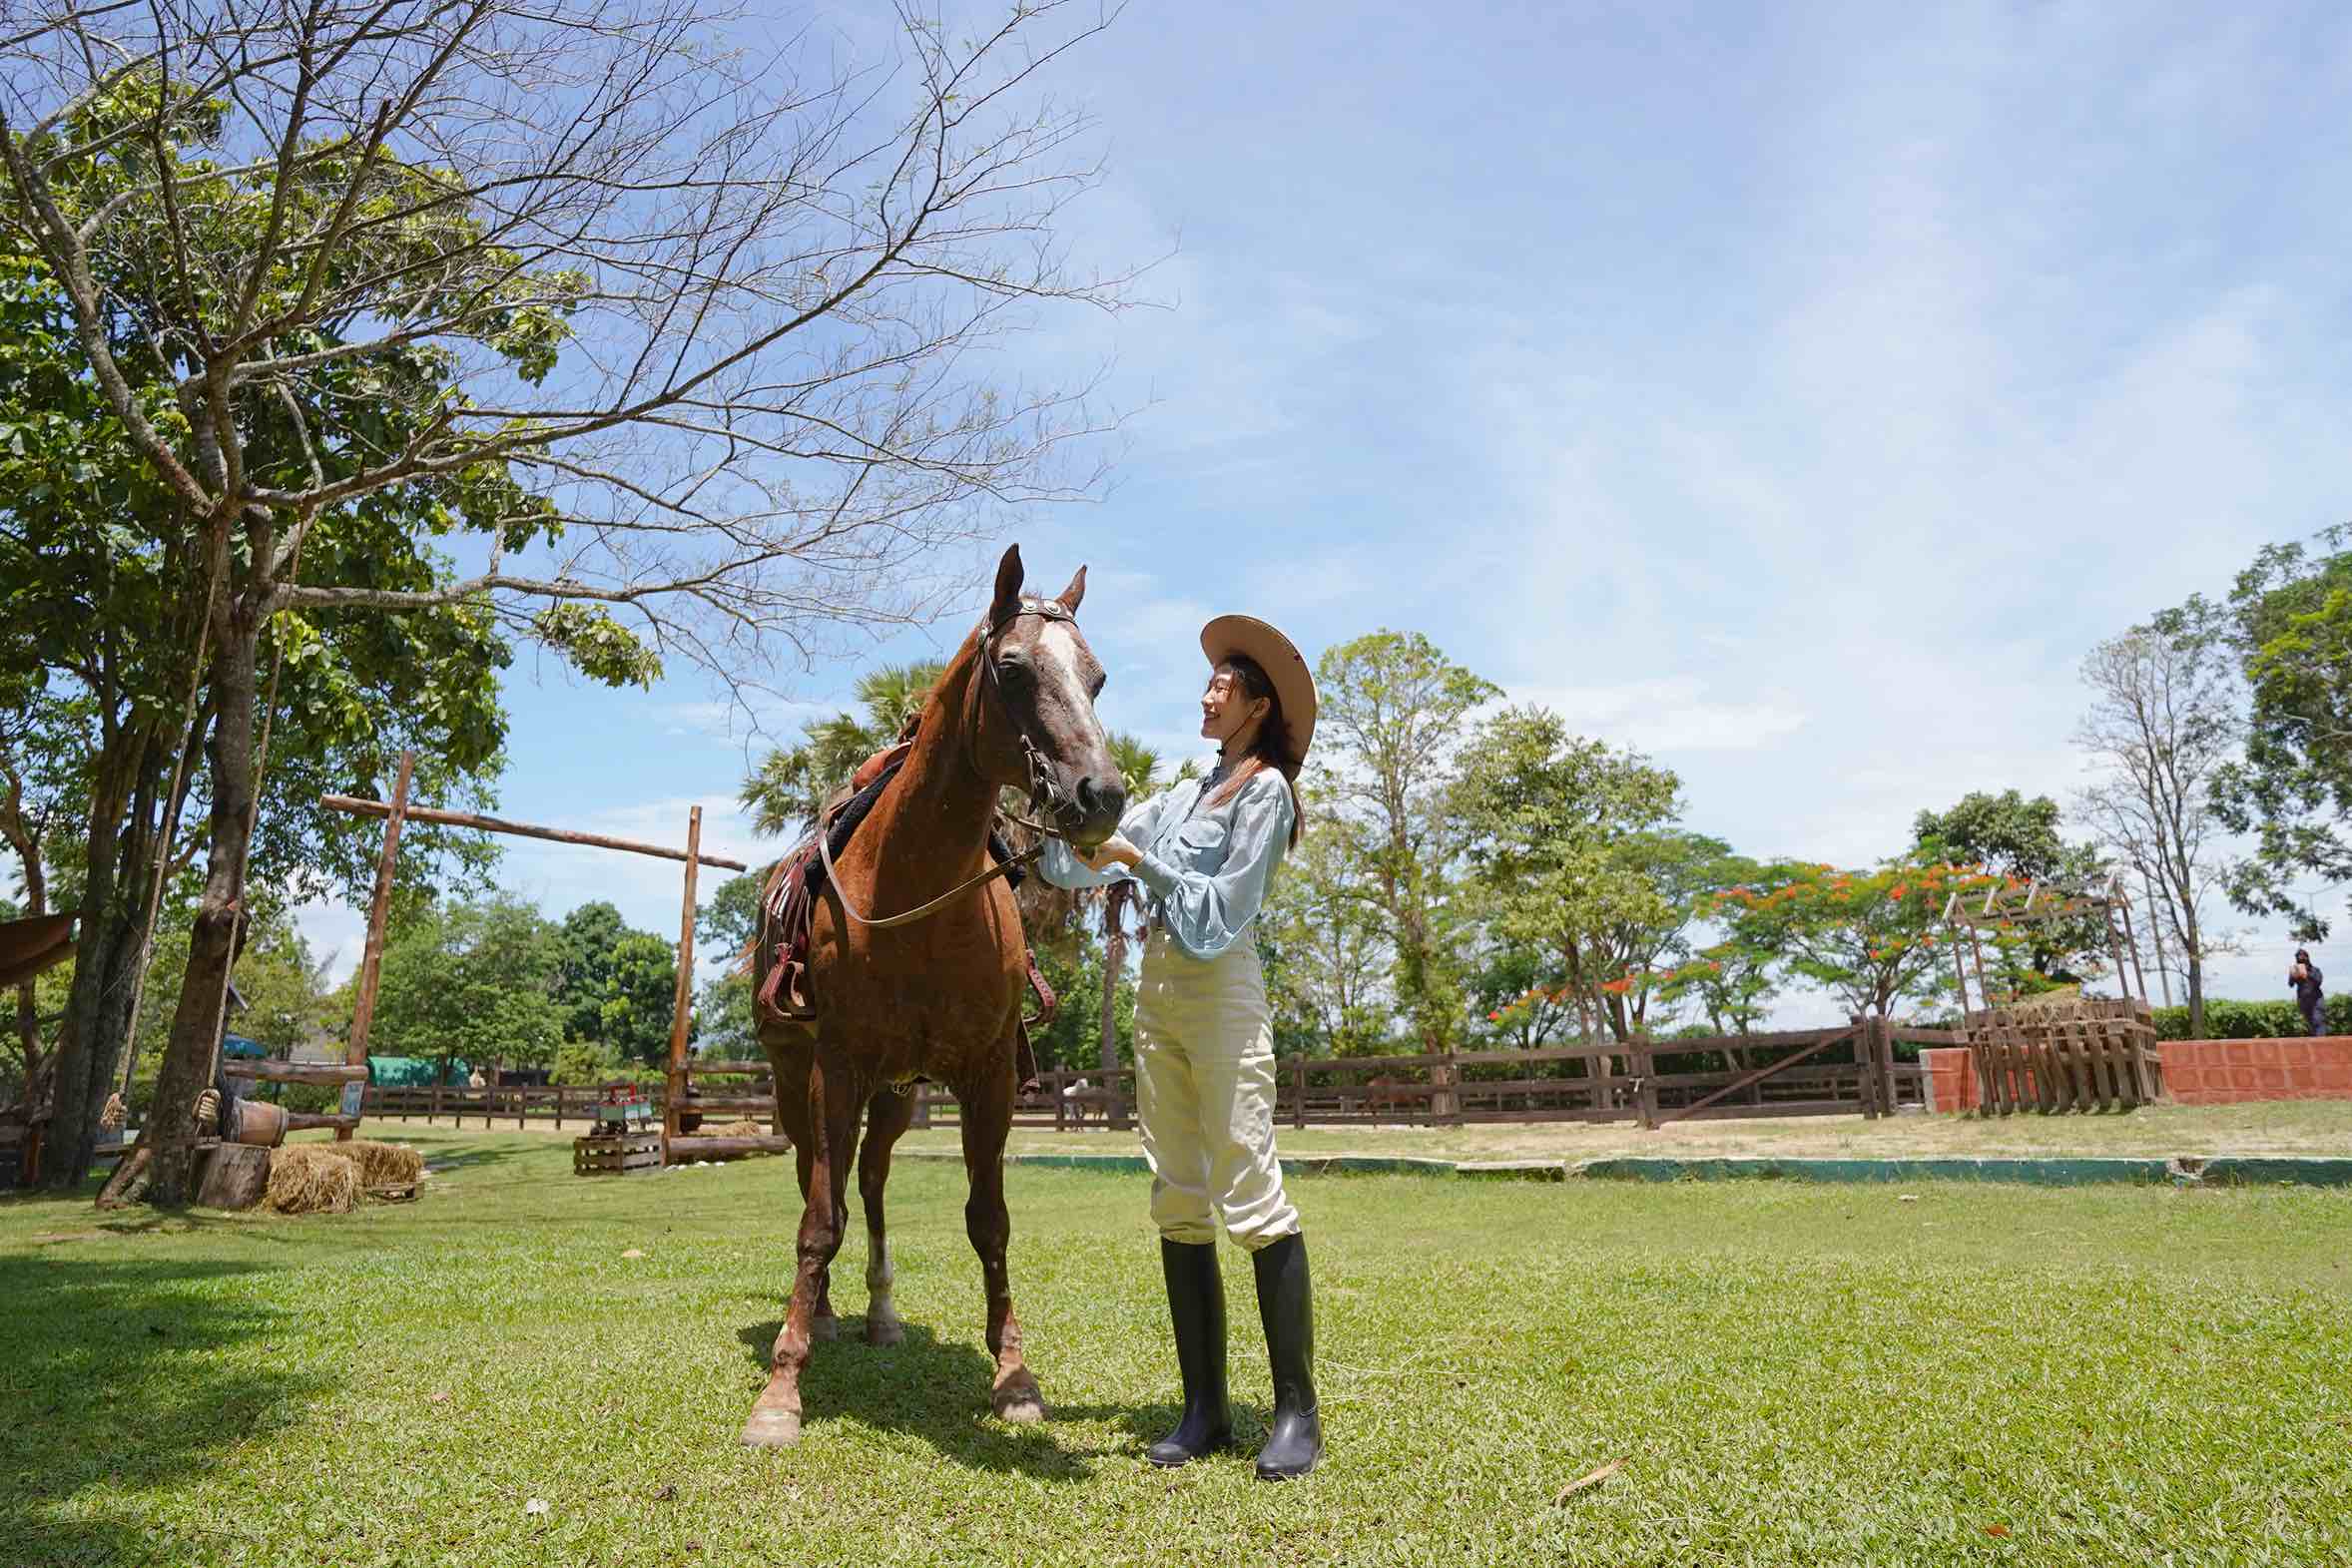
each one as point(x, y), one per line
point(1011, 669)
point(1096, 688)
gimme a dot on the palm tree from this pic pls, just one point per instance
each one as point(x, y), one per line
point(1139, 768)
point(789, 786)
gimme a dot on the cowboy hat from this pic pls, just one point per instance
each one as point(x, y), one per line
point(1294, 683)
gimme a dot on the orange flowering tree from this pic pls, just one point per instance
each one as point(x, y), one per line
point(1872, 939)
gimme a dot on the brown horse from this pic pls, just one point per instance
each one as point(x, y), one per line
point(938, 998)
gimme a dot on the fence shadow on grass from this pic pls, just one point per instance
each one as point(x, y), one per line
point(115, 1383)
point(937, 1389)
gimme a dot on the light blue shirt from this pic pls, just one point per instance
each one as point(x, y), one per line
point(1207, 867)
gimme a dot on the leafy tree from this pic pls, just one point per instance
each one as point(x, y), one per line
point(1573, 846)
point(1324, 938)
point(1523, 992)
point(2286, 625)
point(724, 926)
point(341, 291)
point(476, 982)
point(2162, 731)
point(1731, 981)
point(643, 999)
point(1872, 939)
point(1394, 714)
point(2017, 839)
point(616, 987)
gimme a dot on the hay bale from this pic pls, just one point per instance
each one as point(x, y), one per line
point(313, 1179)
point(381, 1163)
point(743, 1127)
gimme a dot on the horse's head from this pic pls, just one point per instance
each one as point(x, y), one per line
point(1037, 728)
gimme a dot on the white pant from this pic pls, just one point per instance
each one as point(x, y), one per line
point(1204, 1068)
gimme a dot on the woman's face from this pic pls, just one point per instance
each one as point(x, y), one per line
point(1228, 712)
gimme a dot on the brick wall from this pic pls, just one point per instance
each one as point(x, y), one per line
point(2196, 1072)
point(2221, 1072)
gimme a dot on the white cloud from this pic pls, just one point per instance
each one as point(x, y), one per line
point(1672, 713)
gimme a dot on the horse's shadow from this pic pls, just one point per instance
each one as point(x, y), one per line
point(937, 1389)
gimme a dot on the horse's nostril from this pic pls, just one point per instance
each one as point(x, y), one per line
point(1097, 798)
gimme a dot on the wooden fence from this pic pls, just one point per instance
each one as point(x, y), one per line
point(1846, 1071)
point(1784, 1073)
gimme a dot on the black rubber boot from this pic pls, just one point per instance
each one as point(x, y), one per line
point(1196, 1301)
point(1286, 1304)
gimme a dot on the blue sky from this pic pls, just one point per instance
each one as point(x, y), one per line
point(1794, 392)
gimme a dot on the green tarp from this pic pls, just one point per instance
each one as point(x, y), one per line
point(412, 1072)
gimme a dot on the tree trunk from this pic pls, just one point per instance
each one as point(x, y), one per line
point(28, 1010)
point(2197, 995)
point(211, 947)
point(118, 852)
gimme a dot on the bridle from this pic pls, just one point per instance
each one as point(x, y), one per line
point(1046, 798)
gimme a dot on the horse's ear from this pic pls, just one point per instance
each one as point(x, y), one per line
point(1008, 585)
point(1074, 595)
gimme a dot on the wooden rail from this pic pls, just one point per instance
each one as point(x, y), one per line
point(1583, 1083)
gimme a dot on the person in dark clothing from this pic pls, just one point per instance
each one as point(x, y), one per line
point(2304, 977)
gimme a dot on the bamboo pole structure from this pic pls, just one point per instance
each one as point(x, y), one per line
point(497, 824)
point(680, 1014)
point(378, 907)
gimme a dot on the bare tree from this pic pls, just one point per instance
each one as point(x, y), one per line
point(2162, 724)
point(706, 354)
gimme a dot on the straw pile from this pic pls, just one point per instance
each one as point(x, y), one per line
point(381, 1164)
point(743, 1128)
point(313, 1179)
point(331, 1178)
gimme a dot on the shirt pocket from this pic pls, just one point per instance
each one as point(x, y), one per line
point(1201, 843)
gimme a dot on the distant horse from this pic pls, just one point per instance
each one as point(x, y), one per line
point(1077, 1099)
point(918, 967)
point(1388, 1094)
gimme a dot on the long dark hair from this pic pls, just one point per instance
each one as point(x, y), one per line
point(1271, 749)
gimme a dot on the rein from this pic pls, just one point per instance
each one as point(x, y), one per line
point(1045, 797)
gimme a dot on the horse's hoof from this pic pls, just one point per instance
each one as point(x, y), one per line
point(770, 1429)
point(827, 1328)
point(1019, 1406)
point(887, 1331)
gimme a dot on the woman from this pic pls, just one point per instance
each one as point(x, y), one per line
point(1205, 851)
point(2304, 979)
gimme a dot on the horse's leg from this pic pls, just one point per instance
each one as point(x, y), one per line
point(793, 1113)
point(833, 1108)
point(987, 1118)
point(886, 1119)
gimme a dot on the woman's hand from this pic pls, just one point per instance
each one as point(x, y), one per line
point(1113, 850)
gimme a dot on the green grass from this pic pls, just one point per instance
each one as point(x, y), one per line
point(1791, 1374)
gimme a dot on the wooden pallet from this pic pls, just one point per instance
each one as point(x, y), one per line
point(625, 1155)
point(2078, 1055)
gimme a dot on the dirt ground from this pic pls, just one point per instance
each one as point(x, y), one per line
point(2312, 1126)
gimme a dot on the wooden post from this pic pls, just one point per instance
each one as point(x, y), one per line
point(682, 1013)
point(378, 907)
point(1299, 1093)
point(1648, 1094)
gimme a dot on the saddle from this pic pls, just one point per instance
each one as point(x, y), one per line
point(788, 902)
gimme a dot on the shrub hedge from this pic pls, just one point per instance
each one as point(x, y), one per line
point(2226, 1019)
